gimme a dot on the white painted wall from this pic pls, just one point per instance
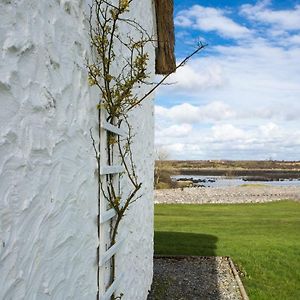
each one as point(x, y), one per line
point(48, 190)
point(135, 259)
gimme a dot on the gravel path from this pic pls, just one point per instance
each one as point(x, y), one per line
point(194, 278)
point(239, 194)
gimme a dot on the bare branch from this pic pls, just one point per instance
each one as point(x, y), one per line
point(167, 76)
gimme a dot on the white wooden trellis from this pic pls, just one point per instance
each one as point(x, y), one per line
point(107, 214)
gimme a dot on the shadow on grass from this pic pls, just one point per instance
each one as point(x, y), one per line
point(178, 277)
point(183, 243)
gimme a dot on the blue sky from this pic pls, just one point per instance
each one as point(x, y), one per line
point(240, 97)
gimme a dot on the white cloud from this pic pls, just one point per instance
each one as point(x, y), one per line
point(287, 112)
point(183, 113)
point(202, 74)
point(181, 130)
point(227, 132)
point(261, 73)
point(270, 130)
point(288, 19)
point(188, 113)
point(175, 150)
point(210, 19)
point(217, 110)
point(258, 78)
point(294, 39)
point(228, 141)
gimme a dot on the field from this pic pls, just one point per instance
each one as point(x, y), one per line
point(232, 164)
point(262, 239)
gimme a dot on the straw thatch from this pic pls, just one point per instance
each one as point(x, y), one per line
point(165, 57)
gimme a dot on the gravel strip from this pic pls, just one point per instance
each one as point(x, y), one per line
point(194, 278)
point(238, 194)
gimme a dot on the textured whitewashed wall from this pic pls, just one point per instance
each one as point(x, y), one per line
point(135, 259)
point(48, 190)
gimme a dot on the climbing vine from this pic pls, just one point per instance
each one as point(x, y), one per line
point(118, 67)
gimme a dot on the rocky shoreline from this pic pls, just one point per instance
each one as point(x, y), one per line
point(237, 194)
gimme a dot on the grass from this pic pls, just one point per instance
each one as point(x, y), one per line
point(262, 239)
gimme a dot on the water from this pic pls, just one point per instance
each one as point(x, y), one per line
point(223, 181)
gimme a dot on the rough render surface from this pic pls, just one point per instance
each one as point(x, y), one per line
point(135, 259)
point(48, 205)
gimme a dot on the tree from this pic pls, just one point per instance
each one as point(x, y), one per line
point(161, 155)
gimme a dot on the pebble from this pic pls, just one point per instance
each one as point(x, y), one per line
point(237, 194)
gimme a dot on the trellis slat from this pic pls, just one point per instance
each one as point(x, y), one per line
point(112, 288)
point(107, 126)
point(110, 252)
point(105, 170)
point(107, 215)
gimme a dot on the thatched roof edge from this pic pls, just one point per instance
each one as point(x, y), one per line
point(165, 57)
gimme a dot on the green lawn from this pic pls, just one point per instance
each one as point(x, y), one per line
point(262, 239)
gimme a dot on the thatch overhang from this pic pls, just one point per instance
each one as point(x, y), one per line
point(165, 56)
